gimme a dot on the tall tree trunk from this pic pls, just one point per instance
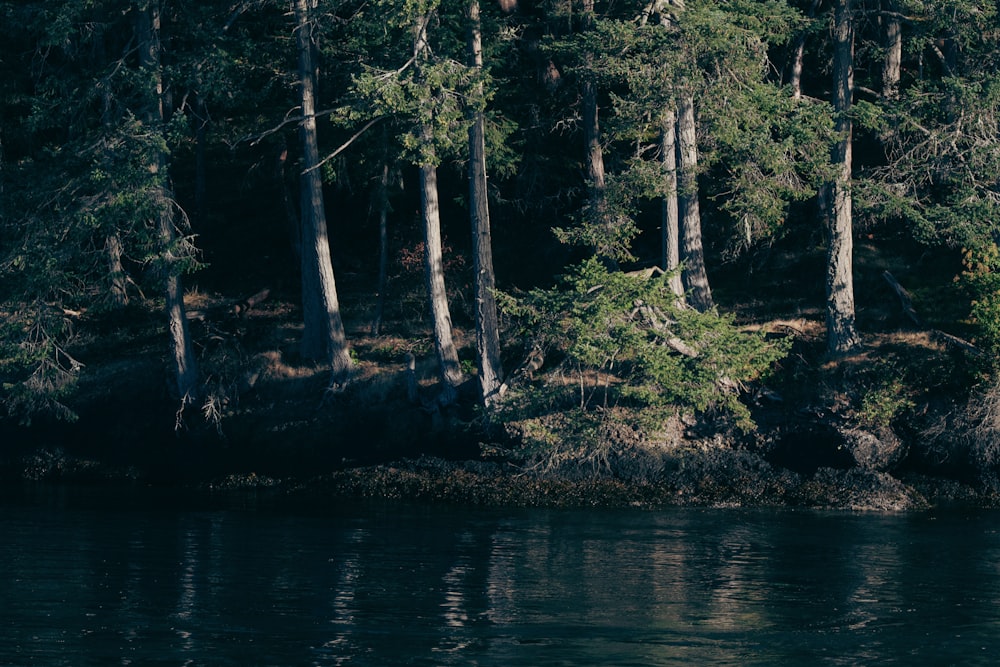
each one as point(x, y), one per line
point(323, 338)
point(383, 249)
point(185, 366)
point(484, 282)
point(200, 163)
point(669, 214)
point(893, 58)
point(798, 55)
point(669, 225)
point(594, 154)
point(444, 344)
point(795, 75)
point(116, 271)
point(692, 249)
point(841, 334)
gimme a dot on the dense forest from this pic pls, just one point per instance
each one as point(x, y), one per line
point(568, 228)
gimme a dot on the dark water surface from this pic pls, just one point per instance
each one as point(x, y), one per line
point(90, 578)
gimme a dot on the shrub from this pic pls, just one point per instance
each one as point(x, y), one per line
point(982, 277)
point(628, 340)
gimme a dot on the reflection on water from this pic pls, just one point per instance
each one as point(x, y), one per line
point(122, 581)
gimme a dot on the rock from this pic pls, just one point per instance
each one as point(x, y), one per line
point(859, 490)
point(880, 451)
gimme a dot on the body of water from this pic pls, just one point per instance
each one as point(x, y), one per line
point(104, 578)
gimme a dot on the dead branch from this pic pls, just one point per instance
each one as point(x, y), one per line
point(653, 316)
point(344, 145)
point(647, 273)
point(904, 297)
point(957, 342)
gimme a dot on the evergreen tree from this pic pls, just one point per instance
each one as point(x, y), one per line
point(412, 70)
point(92, 185)
point(324, 338)
point(840, 330)
point(484, 281)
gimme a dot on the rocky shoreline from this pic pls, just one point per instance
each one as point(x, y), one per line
point(709, 472)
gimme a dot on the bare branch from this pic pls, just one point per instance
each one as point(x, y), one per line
point(344, 145)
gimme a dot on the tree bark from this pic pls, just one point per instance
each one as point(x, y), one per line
point(842, 336)
point(798, 55)
point(795, 76)
point(444, 344)
point(484, 283)
point(692, 249)
point(201, 163)
point(594, 153)
point(893, 58)
point(182, 351)
point(323, 338)
point(383, 249)
point(116, 271)
point(669, 226)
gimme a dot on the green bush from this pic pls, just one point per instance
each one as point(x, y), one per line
point(628, 340)
point(982, 277)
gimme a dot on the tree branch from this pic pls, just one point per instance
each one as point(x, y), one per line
point(344, 145)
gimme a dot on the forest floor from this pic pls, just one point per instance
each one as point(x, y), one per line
point(886, 428)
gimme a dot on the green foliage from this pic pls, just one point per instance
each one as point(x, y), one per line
point(982, 278)
point(773, 150)
point(625, 338)
point(78, 151)
point(887, 394)
point(36, 372)
point(87, 164)
point(430, 90)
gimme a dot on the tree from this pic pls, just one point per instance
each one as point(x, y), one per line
point(183, 358)
point(594, 152)
point(841, 334)
point(795, 65)
point(444, 344)
point(324, 338)
point(382, 205)
point(670, 249)
point(590, 47)
point(892, 61)
point(661, 355)
point(692, 249)
point(940, 182)
point(484, 282)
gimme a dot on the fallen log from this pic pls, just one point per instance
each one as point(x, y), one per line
point(246, 304)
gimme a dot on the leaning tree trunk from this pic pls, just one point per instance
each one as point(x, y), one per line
point(842, 336)
point(323, 338)
point(692, 249)
point(183, 358)
point(669, 225)
point(484, 280)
